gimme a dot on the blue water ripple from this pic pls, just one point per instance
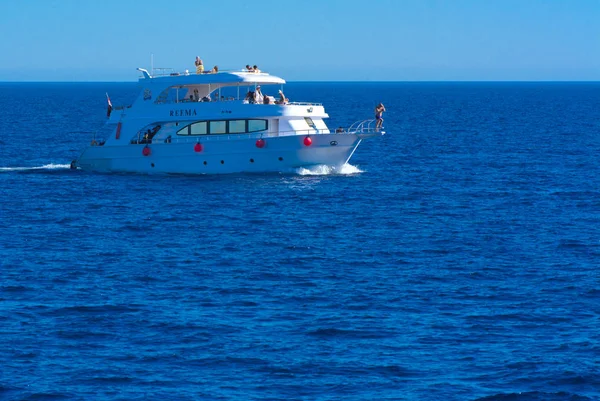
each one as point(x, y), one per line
point(460, 261)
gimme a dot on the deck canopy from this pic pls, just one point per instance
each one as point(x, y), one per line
point(177, 87)
point(224, 78)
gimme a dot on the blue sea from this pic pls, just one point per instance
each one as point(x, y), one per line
point(456, 258)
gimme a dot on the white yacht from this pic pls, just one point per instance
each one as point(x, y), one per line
point(220, 122)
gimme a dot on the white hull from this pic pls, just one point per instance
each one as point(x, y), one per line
point(283, 153)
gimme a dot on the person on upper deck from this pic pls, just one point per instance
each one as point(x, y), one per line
point(255, 69)
point(199, 65)
point(249, 99)
point(214, 70)
point(258, 96)
point(282, 98)
point(248, 68)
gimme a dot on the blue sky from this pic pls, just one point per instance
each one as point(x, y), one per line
point(381, 40)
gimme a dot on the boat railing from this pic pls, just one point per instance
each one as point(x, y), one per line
point(171, 72)
point(360, 127)
point(363, 126)
point(304, 104)
point(234, 99)
point(224, 137)
point(163, 72)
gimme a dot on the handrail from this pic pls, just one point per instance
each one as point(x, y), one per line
point(358, 127)
point(304, 104)
point(362, 126)
point(163, 71)
point(171, 72)
point(233, 99)
point(219, 137)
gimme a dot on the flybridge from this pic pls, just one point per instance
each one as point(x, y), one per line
point(223, 78)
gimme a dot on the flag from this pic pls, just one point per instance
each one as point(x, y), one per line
point(109, 106)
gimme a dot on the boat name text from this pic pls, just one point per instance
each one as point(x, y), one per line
point(182, 113)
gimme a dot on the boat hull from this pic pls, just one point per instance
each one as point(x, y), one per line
point(216, 156)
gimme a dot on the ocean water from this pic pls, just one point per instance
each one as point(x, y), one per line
point(455, 258)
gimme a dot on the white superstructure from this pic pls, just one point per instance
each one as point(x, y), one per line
point(210, 123)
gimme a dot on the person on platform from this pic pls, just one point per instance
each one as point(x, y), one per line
point(379, 109)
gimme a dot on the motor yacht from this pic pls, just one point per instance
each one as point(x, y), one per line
point(213, 123)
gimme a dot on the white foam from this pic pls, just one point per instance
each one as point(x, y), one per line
point(346, 169)
point(44, 167)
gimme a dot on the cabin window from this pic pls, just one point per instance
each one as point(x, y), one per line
point(198, 128)
point(237, 126)
point(257, 125)
point(218, 127)
point(310, 122)
point(224, 127)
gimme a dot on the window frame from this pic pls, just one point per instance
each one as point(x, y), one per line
point(188, 128)
point(245, 131)
point(256, 130)
point(210, 124)
point(311, 124)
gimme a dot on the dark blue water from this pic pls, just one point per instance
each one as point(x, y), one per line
point(459, 262)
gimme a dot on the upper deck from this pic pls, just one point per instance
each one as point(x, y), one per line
point(221, 78)
point(174, 89)
point(185, 96)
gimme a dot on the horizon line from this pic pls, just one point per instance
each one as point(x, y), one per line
point(340, 81)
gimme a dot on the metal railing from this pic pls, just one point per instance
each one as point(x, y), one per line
point(163, 72)
point(364, 127)
point(358, 127)
point(233, 99)
point(224, 137)
point(170, 72)
point(304, 104)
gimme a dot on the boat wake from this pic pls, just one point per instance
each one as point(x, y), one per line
point(44, 167)
point(346, 169)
